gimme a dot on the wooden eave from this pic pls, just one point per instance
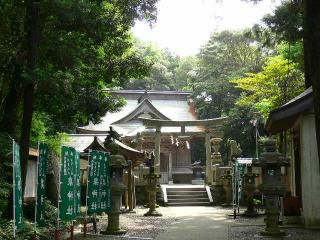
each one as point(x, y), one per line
point(140, 109)
point(284, 117)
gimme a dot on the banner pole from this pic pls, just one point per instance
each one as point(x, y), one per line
point(36, 192)
point(14, 189)
point(86, 215)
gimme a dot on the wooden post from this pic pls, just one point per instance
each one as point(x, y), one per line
point(130, 197)
point(56, 234)
point(71, 230)
point(95, 224)
point(85, 228)
point(134, 191)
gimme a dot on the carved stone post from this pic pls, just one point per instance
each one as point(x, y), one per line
point(249, 188)
point(227, 186)
point(170, 168)
point(216, 157)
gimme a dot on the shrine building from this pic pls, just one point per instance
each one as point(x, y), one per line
point(161, 121)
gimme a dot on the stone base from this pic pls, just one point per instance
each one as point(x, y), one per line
point(218, 193)
point(250, 214)
point(226, 205)
point(114, 232)
point(198, 182)
point(273, 234)
point(128, 211)
point(153, 213)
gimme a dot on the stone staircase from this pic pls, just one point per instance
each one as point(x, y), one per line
point(187, 196)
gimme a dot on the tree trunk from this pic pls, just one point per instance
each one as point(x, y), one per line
point(9, 120)
point(32, 26)
point(312, 56)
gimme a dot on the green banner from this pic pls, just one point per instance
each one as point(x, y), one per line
point(41, 182)
point(104, 188)
point(77, 199)
point(98, 192)
point(69, 173)
point(17, 189)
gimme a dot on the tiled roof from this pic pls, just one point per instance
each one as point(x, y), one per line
point(173, 105)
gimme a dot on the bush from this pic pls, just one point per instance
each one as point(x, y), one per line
point(45, 232)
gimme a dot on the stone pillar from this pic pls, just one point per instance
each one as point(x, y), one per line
point(170, 168)
point(157, 150)
point(208, 159)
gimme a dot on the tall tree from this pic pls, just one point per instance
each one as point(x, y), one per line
point(83, 45)
point(310, 12)
point(227, 55)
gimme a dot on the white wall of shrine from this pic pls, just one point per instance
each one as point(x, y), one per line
point(310, 172)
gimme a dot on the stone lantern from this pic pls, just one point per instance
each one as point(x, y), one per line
point(272, 187)
point(197, 169)
point(249, 189)
point(152, 189)
point(117, 165)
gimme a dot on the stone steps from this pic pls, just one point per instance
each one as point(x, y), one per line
point(189, 204)
point(187, 196)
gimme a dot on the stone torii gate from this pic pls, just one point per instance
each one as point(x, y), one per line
point(211, 128)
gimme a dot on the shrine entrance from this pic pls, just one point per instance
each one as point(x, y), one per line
point(171, 145)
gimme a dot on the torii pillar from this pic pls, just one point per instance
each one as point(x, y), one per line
point(208, 158)
point(157, 150)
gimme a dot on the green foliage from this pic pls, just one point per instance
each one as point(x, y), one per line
point(45, 232)
point(167, 71)
point(278, 82)
point(226, 55)
point(240, 128)
point(286, 21)
point(5, 170)
point(6, 231)
point(85, 47)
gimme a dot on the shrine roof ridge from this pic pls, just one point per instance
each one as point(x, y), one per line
point(169, 123)
point(156, 92)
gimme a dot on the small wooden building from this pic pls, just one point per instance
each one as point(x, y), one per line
point(297, 116)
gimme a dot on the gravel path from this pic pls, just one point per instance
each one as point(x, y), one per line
point(137, 225)
point(250, 228)
point(183, 223)
point(253, 233)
